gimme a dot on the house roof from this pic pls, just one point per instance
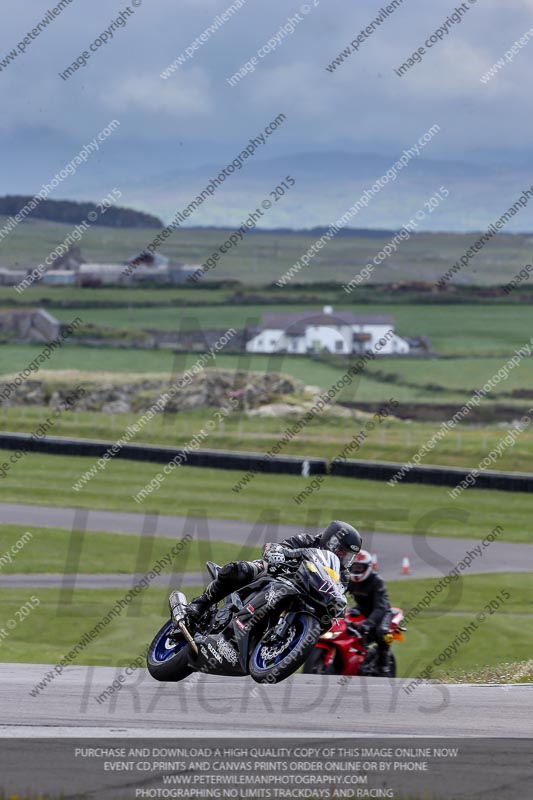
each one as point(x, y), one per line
point(296, 323)
point(151, 259)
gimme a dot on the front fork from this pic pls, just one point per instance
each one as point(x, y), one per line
point(278, 633)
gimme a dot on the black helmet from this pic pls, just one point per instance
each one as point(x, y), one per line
point(343, 540)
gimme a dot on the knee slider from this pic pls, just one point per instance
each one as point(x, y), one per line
point(249, 570)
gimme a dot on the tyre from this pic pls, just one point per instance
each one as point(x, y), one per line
point(370, 668)
point(274, 663)
point(392, 666)
point(168, 661)
point(315, 663)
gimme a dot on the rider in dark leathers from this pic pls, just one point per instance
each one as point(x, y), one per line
point(369, 591)
point(339, 537)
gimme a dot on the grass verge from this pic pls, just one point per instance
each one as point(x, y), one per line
point(325, 437)
point(506, 672)
point(55, 551)
point(201, 492)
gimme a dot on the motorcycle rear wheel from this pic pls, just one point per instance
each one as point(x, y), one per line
point(268, 667)
point(392, 666)
point(166, 662)
point(370, 668)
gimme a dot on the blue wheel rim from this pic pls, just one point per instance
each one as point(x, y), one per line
point(161, 651)
point(262, 665)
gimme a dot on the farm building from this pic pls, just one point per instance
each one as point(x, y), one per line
point(340, 332)
point(59, 277)
point(28, 325)
point(10, 277)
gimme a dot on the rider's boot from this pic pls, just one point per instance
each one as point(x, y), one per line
point(212, 594)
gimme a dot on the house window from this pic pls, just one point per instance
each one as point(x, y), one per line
point(339, 345)
point(273, 342)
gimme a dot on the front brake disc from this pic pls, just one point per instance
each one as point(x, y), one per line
point(269, 653)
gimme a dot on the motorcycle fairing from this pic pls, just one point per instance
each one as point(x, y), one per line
point(226, 652)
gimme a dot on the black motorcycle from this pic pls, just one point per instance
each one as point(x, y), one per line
point(266, 629)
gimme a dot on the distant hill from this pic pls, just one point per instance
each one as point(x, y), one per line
point(364, 233)
point(327, 184)
point(71, 212)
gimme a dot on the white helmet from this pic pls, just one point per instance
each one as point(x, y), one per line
point(361, 567)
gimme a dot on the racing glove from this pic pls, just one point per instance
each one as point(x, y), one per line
point(364, 628)
point(275, 557)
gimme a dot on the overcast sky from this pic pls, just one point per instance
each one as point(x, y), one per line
point(194, 117)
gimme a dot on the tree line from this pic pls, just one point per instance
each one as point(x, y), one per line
point(73, 213)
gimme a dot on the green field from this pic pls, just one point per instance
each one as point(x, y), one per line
point(235, 293)
point(14, 358)
point(198, 492)
point(452, 329)
point(407, 380)
point(507, 631)
point(113, 296)
point(263, 257)
point(326, 437)
point(50, 630)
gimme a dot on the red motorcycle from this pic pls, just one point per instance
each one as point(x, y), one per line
point(344, 651)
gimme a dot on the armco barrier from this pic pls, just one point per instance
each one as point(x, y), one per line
point(216, 459)
point(436, 476)
point(258, 462)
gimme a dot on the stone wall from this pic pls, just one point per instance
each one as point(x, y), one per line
point(209, 388)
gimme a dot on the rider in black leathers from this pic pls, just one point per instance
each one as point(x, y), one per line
point(339, 537)
point(369, 591)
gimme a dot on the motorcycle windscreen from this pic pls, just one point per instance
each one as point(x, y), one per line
point(327, 561)
point(326, 567)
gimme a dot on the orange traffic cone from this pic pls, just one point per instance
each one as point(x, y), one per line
point(406, 567)
point(375, 562)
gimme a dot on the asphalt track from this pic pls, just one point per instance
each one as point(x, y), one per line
point(302, 706)
point(429, 556)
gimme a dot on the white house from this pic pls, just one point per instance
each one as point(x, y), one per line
point(340, 332)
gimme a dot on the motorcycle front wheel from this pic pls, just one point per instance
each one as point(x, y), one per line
point(273, 662)
point(167, 659)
